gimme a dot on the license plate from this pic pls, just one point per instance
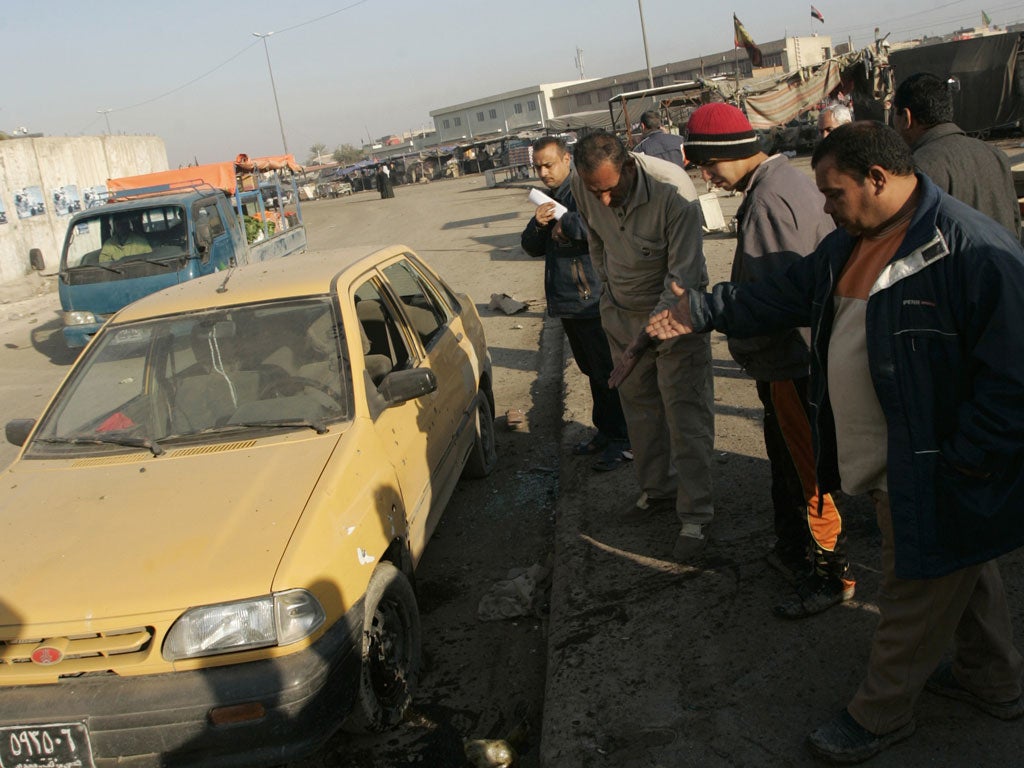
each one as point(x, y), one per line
point(63, 745)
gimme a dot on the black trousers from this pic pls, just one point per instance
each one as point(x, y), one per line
point(590, 348)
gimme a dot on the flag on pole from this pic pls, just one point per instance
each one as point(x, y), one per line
point(744, 40)
point(985, 19)
point(815, 13)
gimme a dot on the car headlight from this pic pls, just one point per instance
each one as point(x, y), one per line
point(278, 619)
point(79, 318)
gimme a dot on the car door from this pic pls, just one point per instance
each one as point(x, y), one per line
point(430, 322)
point(403, 430)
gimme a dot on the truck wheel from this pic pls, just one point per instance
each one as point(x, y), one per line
point(483, 458)
point(390, 654)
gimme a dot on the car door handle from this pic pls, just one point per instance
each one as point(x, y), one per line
point(458, 336)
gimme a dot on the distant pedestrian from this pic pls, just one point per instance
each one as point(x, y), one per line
point(780, 221)
point(915, 308)
point(657, 142)
point(965, 167)
point(384, 182)
point(573, 292)
point(645, 231)
point(831, 117)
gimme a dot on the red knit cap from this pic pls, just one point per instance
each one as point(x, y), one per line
point(719, 132)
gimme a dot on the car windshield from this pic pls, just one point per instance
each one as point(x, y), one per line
point(114, 242)
point(269, 366)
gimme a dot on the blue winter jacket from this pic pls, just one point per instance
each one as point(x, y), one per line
point(571, 284)
point(945, 330)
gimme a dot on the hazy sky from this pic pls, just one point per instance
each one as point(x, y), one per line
point(194, 74)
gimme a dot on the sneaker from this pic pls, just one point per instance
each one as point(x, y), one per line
point(943, 683)
point(815, 594)
point(690, 543)
point(614, 456)
point(794, 567)
point(844, 741)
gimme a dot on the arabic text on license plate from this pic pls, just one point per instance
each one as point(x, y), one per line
point(63, 745)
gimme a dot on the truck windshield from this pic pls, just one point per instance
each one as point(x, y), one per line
point(203, 376)
point(114, 240)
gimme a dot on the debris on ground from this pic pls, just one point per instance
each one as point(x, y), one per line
point(490, 753)
point(514, 418)
point(506, 303)
point(521, 593)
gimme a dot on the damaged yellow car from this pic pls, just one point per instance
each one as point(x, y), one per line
point(210, 533)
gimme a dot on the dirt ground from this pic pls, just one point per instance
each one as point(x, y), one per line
point(652, 664)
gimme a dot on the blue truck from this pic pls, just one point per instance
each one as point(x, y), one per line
point(176, 228)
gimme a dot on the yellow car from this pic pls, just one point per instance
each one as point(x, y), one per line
point(210, 533)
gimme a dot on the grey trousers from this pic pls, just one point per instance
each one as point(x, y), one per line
point(668, 400)
point(918, 620)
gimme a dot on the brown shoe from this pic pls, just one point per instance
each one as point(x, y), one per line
point(644, 507)
point(690, 543)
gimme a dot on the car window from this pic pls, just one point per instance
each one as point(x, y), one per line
point(385, 347)
point(426, 312)
point(180, 376)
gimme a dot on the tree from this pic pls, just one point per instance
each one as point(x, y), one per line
point(346, 154)
point(316, 153)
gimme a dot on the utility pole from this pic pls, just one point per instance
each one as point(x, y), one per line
point(647, 55)
point(579, 61)
point(273, 87)
point(106, 114)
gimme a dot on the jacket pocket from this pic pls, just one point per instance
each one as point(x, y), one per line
point(650, 249)
point(579, 277)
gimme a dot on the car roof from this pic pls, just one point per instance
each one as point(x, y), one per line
point(307, 274)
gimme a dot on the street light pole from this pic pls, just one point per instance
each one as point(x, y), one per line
point(647, 56)
point(106, 114)
point(273, 87)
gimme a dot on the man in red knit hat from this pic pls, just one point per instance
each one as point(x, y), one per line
point(781, 220)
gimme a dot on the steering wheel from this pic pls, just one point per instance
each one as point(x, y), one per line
point(294, 385)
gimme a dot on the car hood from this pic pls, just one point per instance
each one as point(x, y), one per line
point(124, 535)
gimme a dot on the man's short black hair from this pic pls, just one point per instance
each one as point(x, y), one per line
point(547, 141)
point(597, 148)
point(650, 119)
point(858, 146)
point(927, 97)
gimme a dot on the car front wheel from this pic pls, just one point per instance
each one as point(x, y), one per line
point(391, 652)
point(483, 457)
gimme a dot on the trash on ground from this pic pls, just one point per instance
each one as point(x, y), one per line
point(515, 418)
point(490, 753)
point(520, 593)
point(506, 303)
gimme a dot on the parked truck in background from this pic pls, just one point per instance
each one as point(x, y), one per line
point(181, 225)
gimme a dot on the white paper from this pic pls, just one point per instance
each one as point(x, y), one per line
point(538, 198)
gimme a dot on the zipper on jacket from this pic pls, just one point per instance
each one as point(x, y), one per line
point(580, 278)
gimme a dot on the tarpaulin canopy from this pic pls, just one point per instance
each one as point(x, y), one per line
point(793, 96)
point(217, 175)
point(990, 90)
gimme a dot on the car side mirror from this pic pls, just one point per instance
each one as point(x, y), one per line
point(401, 386)
point(18, 430)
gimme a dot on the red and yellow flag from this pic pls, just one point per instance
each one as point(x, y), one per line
point(744, 40)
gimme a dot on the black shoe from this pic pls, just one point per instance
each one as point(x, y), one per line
point(614, 456)
point(794, 566)
point(945, 684)
point(844, 741)
point(591, 447)
point(644, 507)
point(815, 594)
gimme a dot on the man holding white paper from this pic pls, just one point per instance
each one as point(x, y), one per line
point(573, 289)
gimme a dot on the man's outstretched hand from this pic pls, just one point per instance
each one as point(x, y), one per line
point(630, 357)
point(674, 321)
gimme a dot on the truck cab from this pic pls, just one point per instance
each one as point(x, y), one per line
point(122, 251)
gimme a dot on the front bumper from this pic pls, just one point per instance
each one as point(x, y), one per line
point(164, 720)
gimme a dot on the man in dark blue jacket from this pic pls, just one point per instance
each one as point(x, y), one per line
point(915, 307)
point(657, 142)
point(573, 292)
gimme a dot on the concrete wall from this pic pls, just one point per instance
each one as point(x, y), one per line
point(53, 163)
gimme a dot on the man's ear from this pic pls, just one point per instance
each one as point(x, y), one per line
point(877, 177)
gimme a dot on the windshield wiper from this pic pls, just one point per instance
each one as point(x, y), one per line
point(115, 270)
point(319, 426)
point(131, 442)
